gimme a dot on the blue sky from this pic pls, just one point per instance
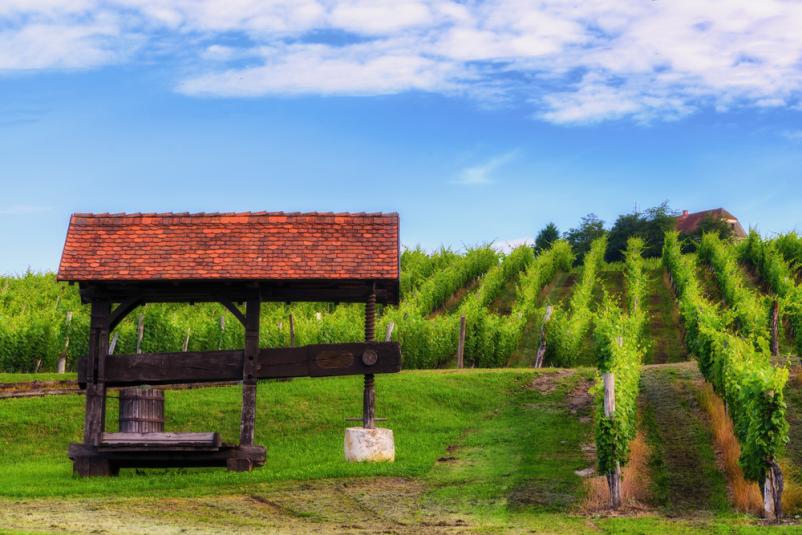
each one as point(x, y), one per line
point(474, 121)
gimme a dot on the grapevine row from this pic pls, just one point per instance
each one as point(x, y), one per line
point(741, 374)
point(775, 270)
point(619, 347)
point(750, 310)
point(568, 328)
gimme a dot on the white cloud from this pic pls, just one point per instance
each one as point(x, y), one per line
point(483, 173)
point(371, 69)
point(578, 62)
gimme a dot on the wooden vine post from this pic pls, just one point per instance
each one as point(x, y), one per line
point(541, 350)
point(461, 343)
point(614, 476)
point(775, 329)
point(61, 365)
point(773, 492)
point(140, 333)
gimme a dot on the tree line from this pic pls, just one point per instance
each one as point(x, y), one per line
point(650, 225)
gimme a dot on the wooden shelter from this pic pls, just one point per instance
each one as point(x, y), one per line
point(122, 261)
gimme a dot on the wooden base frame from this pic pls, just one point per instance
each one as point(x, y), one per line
point(94, 461)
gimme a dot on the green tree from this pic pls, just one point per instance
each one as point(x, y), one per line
point(660, 220)
point(547, 236)
point(624, 228)
point(580, 238)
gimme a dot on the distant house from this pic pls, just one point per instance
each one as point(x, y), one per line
point(689, 223)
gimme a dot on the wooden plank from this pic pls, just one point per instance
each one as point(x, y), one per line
point(320, 360)
point(202, 440)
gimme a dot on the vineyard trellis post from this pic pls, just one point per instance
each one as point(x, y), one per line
point(773, 492)
point(140, 333)
point(61, 365)
point(775, 329)
point(388, 335)
point(461, 343)
point(613, 476)
point(541, 350)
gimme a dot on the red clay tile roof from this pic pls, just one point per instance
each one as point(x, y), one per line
point(688, 224)
point(230, 246)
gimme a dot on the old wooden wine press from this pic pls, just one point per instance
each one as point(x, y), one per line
point(122, 261)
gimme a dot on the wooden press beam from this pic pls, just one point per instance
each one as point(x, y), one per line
point(319, 360)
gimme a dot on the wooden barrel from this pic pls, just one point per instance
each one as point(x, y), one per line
point(141, 410)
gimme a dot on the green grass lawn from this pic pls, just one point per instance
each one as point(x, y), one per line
point(301, 422)
point(28, 377)
point(663, 327)
point(478, 451)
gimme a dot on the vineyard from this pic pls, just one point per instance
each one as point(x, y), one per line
point(735, 308)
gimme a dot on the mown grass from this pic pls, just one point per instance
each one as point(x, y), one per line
point(301, 422)
point(496, 448)
point(664, 332)
point(523, 454)
point(29, 377)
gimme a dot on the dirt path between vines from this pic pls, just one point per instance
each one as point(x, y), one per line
point(683, 462)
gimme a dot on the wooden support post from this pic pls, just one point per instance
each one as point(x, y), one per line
point(369, 390)
point(541, 351)
point(249, 371)
point(185, 347)
point(775, 329)
point(614, 476)
point(773, 492)
point(292, 331)
point(95, 417)
point(461, 343)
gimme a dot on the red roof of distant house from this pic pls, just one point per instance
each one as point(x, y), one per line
point(230, 246)
point(689, 223)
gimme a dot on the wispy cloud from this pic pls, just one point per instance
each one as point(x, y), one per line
point(792, 135)
point(24, 209)
point(482, 173)
point(572, 63)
